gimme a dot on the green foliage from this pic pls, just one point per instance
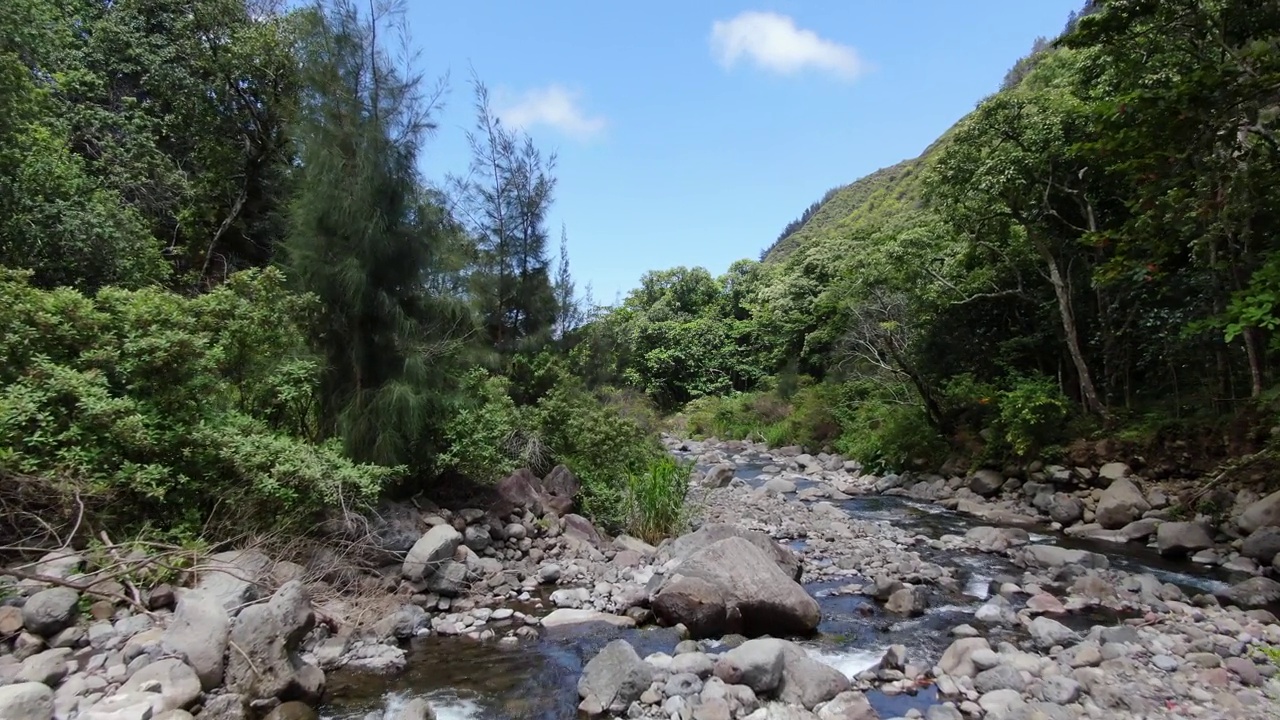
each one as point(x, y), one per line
point(478, 436)
point(655, 504)
point(1030, 413)
point(174, 409)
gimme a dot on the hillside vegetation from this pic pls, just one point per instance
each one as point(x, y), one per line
point(1092, 252)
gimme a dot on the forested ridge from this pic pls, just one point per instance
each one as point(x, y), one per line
point(229, 295)
point(1089, 254)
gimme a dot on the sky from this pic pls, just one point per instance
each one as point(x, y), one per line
point(691, 133)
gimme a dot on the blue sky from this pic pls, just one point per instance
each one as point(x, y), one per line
point(690, 133)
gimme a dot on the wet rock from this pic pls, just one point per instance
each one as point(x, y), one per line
point(848, 705)
point(376, 658)
point(1052, 556)
point(808, 682)
point(198, 633)
point(767, 601)
point(780, 486)
point(1262, 544)
point(293, 710)
point(686, 546)
point(234, 578)
point(755, 663)
point(1263, 513)
point(403, 623)
point(26, 701)
point(175, 682)
point(1121, 503)
point(615, 677)
point(694, 601)
point(906, 601)
point(267, 637)
point(1065, 509)
point(1252, 593)
point(51, 610)
point(1177, 539)
point(431, 551)
point(1047, 632)
point(572, 616)
point(986, 482)
point(992, 539)
point(957, 660)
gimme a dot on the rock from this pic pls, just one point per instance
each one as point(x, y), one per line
point(848, 705)
point(1065, 509)
point(615, 677)
point(521, 490)
point(174, 680)
point(992, 539)
point(1254, 592)
point(1262, 544)
point(161, 597)
point(449, 579)
point(986, 482)
point(1052, 556)
point(1177, 539)
point(432, 550)
point(415, 709)
point(292, 710)
point(636, 545)
point(266, 663)
point(26, 701)
point(780, 486)
point(957, 660)
point(685, 546)
point(943, 712)
point(756, 589)
point(378, 658)
point(126, 706)
point(1047, 632)
point(1000, 677)
point(1045, 604)
point(48, 667)
point(755, 663)
point(1246, 670)
point(560, 488)
point(1263, 513)
point(1121, 503)
point(576, 526)
point(224, 707)
point(549, 574)
point(477, 537)
point(694, 601)
point(718, 476)
point(895, 658)
point(234, 578)
point(403, 623)
point(1114, 471)
point(51, 610)
point(998, 704)
point(1060, 690)
point(907, 601)
point(1086, 654)
point(387, 533)
point(695, 663)
point(1166, 663)
point(682, 685)
point(198, 633)
point(712, 709)
point(808, 682)
point(572, 616)
point(10, 620)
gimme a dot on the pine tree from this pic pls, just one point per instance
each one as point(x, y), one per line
point(568, 309)
point(369, 240)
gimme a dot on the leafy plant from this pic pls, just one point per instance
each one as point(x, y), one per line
point(655, 501)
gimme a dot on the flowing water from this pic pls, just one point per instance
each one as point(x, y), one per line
point(537, 679)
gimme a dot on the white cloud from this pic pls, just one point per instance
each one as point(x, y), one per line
point(553, 106)
point(774, 43)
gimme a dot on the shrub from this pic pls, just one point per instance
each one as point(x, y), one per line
point(167, 411)
point(655, 502)
point(1031, 413)
point(479, 435)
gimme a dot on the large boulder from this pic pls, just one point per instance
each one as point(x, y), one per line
point(521, 490)
point(694, 601)
point(615, 677)
point(849, 705)
point(759, 594)
point(172, 679)
point(1176, 539)
point(1121, 503)
point(576, 526)
point(755, 663)
point(686, 545)
point(431, 551)
point(565, 617)
point(235, 578)
point(198, 633)
point(1047, 632)
point(808, 682)
point(387, 533)
point(26, 701)
point(1053, 556)
point(560, 489)
point(957, 660)
point(1252, 593)
point(51, 610)
point(1262, 544)
point(1263, 513)
point(994, 540)
point(986, 482)
point(264, 662)
point(1065, 509)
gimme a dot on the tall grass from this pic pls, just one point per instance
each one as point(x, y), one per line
point(657, 500)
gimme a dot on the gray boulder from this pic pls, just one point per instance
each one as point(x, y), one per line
point(848, 705)
point(266, 638)
point(403, 623)
point(174, 680)
point(388, 533)
point(1047, 632)
point(808, 682)
point(755, 663)
point(560, 489)
point(756, 590)
point(51, 610)
point(986, 482)
point(415, 709)
point(1263, 513)
point(435, 547)
point(521, 490)
point(1114, 471)
point(1000, 677)
point(719, 476)
point(993, 539)
point(576, 526)
point(780, 486)
point(686, 545)
point(1262, 544)
point(615, 677)
point(48, 667)
point(1121, 503)
point(1176, 539)
point(235, 578)
point(26, 701)
point(1253, 593)
point(198, 633)
point(449, 579)
point(907, 601)
point(1065, 509)
point(957, 660)
point(1052, 556)
point(694, 601)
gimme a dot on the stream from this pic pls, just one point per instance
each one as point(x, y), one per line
point(537, 680)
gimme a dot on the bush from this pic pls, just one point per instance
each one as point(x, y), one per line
point(655, 502)
point(479, 436)
point(168, 412)
point(1031, 413)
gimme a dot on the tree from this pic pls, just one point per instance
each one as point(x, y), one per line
point(569, 310)
point(367, 239)
point(504, 200)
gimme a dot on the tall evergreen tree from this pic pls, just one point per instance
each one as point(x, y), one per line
point(568, 308)
point(370, 241)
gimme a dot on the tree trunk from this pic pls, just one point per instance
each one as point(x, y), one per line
point(1066, 311)
point(1253, 345)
